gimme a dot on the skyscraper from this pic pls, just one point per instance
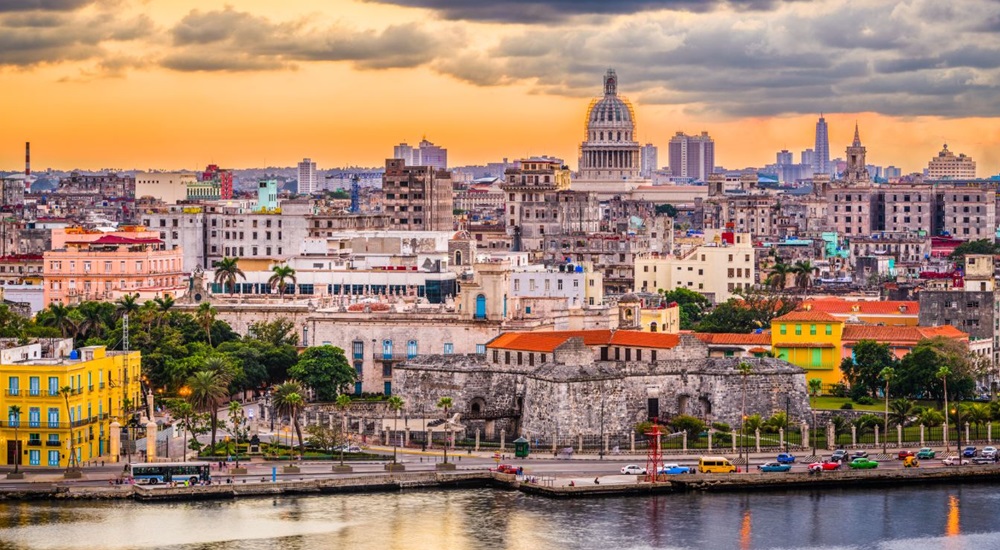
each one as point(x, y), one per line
point(821, 155)
point(784, 156)
point(806, 157)
point(647, 154)
point(692, 156)
point(307, 177)
point(425, 154)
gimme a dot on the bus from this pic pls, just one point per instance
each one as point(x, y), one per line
point(153, 473)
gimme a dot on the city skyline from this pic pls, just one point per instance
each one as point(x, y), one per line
point(185, 84)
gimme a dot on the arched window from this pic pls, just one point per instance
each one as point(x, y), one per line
point(458, 257)
point(480, 307)
point(652, 327)
point(411, 349)
point(619, 136)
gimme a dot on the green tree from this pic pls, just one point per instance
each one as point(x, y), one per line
point(445, 403)
point(186, 417)
point(14, 415)
point(667, 209)
point(930, 417)
point(324, 369)
point(280, 276)
point(981, 246)
point(684, 423)
point(289, 399)
point(226, 272)
point(900, 411)
point(753, 423)
point(920, 375)
point(750, 310)
point(692, 305)
point(276, 333)
point(208, 391)
point(395, 405)
point(162, 306)
point(323, 437)
point(57, 316)
point(976, 414)
point(206, 319)
point(815, 386)
point(866, 423)
point(803, 271)
point(862, 372)
point(127, 305)
point(778, 421)
point(778, 276)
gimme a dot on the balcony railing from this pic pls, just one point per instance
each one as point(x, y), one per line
point(46, 425)
point(381, 356)
point(34, 442)
point(53, 443)
point(31, 393)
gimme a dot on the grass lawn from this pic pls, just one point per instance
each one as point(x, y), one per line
point(828, 402)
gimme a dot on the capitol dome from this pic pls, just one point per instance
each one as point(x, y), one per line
point(609, 150)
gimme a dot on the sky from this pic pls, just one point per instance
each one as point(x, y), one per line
point(171, 84)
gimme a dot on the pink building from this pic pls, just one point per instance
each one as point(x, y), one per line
point(105, 266)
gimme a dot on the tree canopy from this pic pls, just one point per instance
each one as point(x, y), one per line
point(981, 246)
point(325, 370)
point(862, 370)
point(692, 305)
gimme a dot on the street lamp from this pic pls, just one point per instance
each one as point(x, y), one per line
point(815, 430)
point(600, 443)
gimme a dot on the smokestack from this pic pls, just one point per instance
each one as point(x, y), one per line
point(27, 159)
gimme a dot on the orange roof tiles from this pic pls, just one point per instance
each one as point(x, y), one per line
point(758, 350)
point(764, 338)
point(837, 305)
point(808, 316)
point(894, 335)
point(549, 341)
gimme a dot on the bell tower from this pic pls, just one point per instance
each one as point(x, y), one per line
point(857, 171)
point(629, 312)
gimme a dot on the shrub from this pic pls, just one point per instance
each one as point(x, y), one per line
point(838, 390)
point(721, 426)
point(847, 406)
point(642, 427)
point(857, 392)
point(864, 400)
point(683, 423)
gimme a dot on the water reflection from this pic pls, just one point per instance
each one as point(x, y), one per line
point(459, 520)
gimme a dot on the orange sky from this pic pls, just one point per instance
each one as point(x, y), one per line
point(340, 113)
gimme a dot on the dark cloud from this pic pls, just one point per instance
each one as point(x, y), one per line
point(547, 11)
point(230, 40)
point(42, 5)
point(29, 39)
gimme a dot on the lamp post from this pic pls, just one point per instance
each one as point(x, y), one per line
point(815, 429)
point(600, 443)
point(787, 424)
point(957, 412)
point(886, 375)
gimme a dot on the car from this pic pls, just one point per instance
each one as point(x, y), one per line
point(982, 460)
point(786, 458)
point(970, 452)
point(859, 454)
point(863, 463)
point(506, 469)
point(673, 469)
point(839, 455)
point(634, 469)
point(911, 462)
point(989, 452)
point(926, 453)
point(954, 461)
point(826, 465)
point(774, 467)
point(903, 454)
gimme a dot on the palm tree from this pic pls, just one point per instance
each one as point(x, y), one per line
point(445, 403)
point(66, 391)
point(900, 411)
point(288, 400)
point(343, 403)
point(815, 386)
point(395, 404)
point(977, 414)
point(779, 274)
point(226, 272)
point(206, 318)
point(58, 317)
point(14, 414)
point(236, 418)
point(163, 306)
point(943, 373)
point(127, 304)
point(841, 426)
point(803, 274)
point(744, 369)
point(886, 374)
point(281, 274)
point(208, 389)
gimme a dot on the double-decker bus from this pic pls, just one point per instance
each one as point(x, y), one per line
point(153, 473)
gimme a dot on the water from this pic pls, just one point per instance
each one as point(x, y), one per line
point(952, 518)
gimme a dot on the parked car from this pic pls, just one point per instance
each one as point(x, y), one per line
point(926, 453)
point(863, 463)
point(786, 458)
point(347, 449)
point(826, 465)
point(507, 469)
point(859, 454)
point(634, 469)
point(673, 469)
point(903, 454)
point(774, 467)
point(982, 460)
point(839, 455)
point(954, 461)
point(989, 452)
point(970, 452)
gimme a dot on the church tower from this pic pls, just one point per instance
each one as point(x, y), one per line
point(856, 171)
point(629, 312)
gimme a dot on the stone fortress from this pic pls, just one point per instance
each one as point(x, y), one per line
point(568, 384)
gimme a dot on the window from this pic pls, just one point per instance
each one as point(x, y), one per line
point(829, 330)
point(13, 386)
point(358, 368)
point(798, 330)
point(35, 458)
point(53, 386)
point(34, 417)
point(53, 458)
point(480, 349)
point(359, 349)
point(33, 386)
point(812, 330)
point(411, 349)
point(53, 417)
point(13, 418)
point(449, 348)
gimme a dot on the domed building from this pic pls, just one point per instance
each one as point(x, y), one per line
point(610, 151)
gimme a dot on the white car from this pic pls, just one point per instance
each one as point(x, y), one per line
point(989, 452)
point(954, 461)
point(633, 469)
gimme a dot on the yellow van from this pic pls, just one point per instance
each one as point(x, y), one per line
point(715, 465)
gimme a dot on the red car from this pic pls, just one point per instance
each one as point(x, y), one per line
point(824, 466)
point(903, 454)
point(506, 469)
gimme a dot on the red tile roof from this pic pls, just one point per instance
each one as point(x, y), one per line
point(763, 339)
point(884, 307)
point(758, 350)
point(898, 335)
point(808, 316)
point(549, 341)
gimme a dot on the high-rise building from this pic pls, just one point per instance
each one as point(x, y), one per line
point(417, 198)
point(424, 154)
point(692, 156)
point(307, 177)
point(891, 172)
point(223, 177)
point(946, 165)
point(821, 155)
point(648, 154)
point(784, 157)
point(807, 156)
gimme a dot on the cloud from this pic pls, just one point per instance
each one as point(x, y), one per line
point(547, 11)
point(42, 5)
point(230, 40)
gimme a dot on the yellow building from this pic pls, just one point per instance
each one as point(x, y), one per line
point(811, 340)
point(34, 375)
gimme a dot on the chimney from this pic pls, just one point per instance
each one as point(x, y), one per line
point(27, 159)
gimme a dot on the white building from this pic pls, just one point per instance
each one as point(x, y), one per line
point(170, 187)
point(308, 182)
point(715, 269)
point(947, 165)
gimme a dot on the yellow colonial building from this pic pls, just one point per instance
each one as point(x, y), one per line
point(811, 340)
point(39, 420)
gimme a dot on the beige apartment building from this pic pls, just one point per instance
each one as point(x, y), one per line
point(170, 187)
point(417, 198)
point(716, 269)
point(948, 165)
